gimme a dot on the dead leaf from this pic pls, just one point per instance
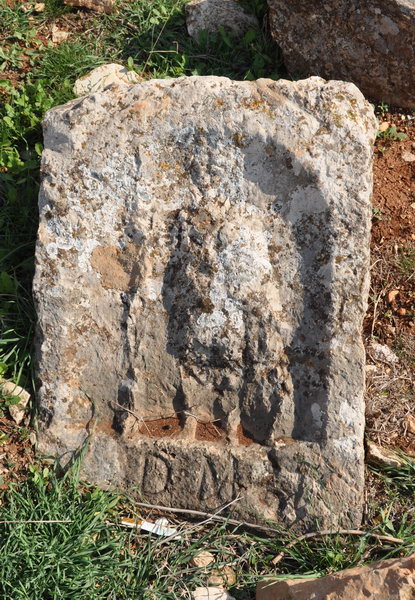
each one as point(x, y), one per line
point(392, 296)
point(58, 35)
point(203, 559)
point(222, 576)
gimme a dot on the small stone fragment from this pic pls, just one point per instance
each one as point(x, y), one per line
point(224, 576)
point(212, 15)
point(58, 35)
point(384, 126)
point(203, 559)
point(375, 455)
point(392, 579)
point(39, 7)
point(17, 411)
point(211, 593)
point(408, 156)
point(103, 76)
point(382, 353)
point(410, 424)
point(104, 6)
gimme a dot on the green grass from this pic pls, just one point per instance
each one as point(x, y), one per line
point(154, 36)
point(20, 147)
point(90, 556)
point(391, 134)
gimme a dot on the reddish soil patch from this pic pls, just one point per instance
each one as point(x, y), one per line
point(393, 235)
point(394, 185)
point(211, 431)
point(243, 436)
point(161, 428)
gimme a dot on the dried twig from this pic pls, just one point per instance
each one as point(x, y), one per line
point(269, 530)
point(210, 517)
point(216, 517)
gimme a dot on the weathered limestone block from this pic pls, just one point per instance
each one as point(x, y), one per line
point(202, 273)
point(371, 43)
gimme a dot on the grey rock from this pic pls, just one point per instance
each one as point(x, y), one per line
point(201, 280)
point(382, 353)
point(369, 43)
point(212, 15)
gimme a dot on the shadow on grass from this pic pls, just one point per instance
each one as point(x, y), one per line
point(155, 39)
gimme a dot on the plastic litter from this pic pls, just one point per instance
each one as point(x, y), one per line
point(159, 527)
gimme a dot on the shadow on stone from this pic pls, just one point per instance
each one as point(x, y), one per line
point(270, 394)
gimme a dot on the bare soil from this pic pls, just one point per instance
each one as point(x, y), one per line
point(390, 393)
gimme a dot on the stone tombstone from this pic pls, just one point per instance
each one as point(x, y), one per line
point(368, 42)
point(201, 280)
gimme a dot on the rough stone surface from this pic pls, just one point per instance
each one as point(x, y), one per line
point(202, 274)
point(385, 580)
point(103, 76)
point(369, 43)
point(212, 15)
